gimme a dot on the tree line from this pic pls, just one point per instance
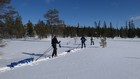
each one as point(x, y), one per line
point(128, 31)
point(11, 26)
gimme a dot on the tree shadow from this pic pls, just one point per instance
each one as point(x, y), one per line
point(27, 60)
point(93, 46)
point(32, 54)
point(31, 40)
point(68, 46)
point(37, 55)
point(132, 57)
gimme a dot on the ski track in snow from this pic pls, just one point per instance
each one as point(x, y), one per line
point(34, 62)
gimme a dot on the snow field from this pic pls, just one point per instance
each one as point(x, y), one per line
point(119, 60)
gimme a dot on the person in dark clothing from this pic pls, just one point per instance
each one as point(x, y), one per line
point(83, 39)
point(54, 45)
point(91, 40)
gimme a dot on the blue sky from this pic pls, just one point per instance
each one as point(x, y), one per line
point(84, 12)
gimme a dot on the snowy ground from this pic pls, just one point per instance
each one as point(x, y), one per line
point(119, 60)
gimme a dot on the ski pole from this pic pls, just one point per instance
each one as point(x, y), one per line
point(49, 49)
point(78, 46)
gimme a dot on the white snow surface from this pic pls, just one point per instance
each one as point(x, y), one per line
point(119, 60)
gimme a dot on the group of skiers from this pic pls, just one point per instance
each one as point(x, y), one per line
point(54, 43)
point(83, 40)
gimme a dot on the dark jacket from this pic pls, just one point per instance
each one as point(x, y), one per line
point(83, 39)
point(54, 42)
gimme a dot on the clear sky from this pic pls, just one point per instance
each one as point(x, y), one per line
point(84, 12)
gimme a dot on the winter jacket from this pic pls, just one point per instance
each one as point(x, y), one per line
point(83, 39)
point(54, 42)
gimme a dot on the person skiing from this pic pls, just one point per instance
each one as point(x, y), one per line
point(54, 43)
point(91, 40)
point(83, 39)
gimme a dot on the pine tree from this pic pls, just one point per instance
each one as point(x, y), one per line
point(19, 27)
point(30, 29)
point(138, 32)
point(99, 29)
point(111, 31)
point(53, 20)
point(104, 30)
point(7, 16)
point(9, 27)
point(131, 30)
point(3, 8)
point(77, 30)
point(41, 29)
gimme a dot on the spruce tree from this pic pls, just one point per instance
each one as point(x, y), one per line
point(19, 29)
point(104, 30)
point(111, 31)
point(41, 29)
point(131, 30)
point(30, 29)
